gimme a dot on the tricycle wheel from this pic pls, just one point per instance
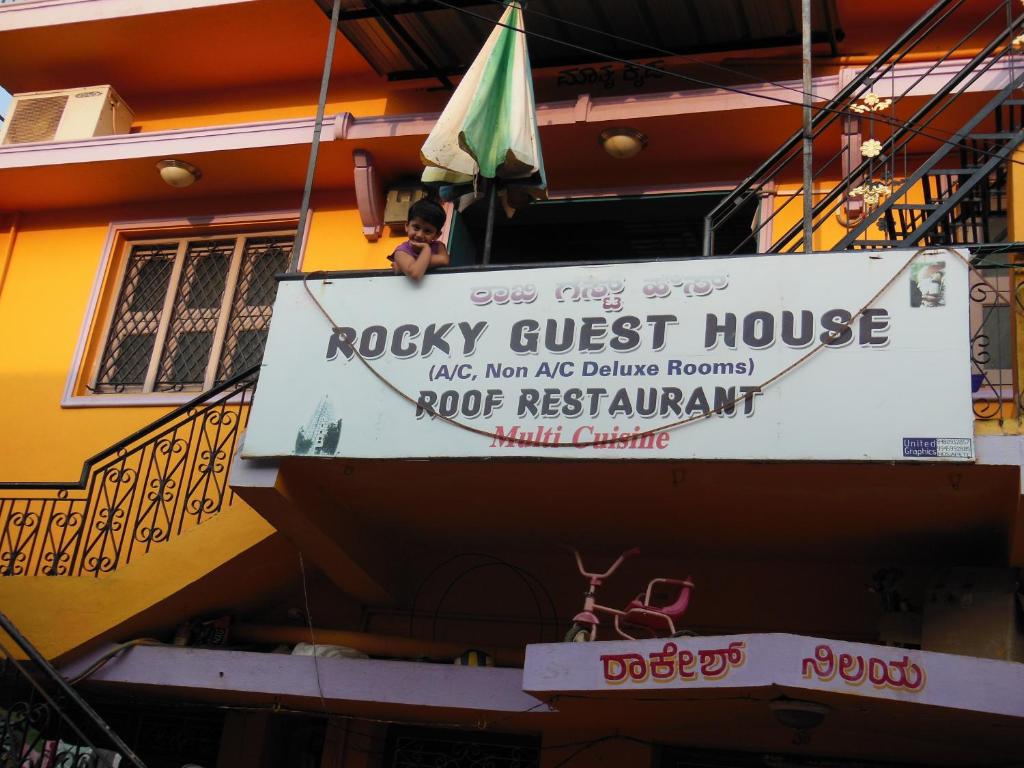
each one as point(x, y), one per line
point(578, 633)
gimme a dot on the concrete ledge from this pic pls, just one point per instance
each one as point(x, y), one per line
point(233, 676)
point(628, 669)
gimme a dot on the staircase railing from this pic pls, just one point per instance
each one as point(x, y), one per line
point(166, 478)
point(980, 65)
point(44, 721)
point(944, 19)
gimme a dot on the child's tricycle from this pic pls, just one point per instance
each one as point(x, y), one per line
point(640, 614)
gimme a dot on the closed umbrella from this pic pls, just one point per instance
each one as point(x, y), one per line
point(488, 130)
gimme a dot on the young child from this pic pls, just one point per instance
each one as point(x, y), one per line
point(422, 250)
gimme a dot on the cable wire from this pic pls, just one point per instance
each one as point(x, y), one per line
point(709, 84)
point(754, 80)
point(721, 409)
point(312, 636)
point(523, 573)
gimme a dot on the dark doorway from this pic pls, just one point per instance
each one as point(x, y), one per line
point(599, 229)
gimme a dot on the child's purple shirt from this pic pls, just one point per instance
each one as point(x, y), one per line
point(409, 248)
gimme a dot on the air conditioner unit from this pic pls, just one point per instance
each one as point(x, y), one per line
point(73, 113)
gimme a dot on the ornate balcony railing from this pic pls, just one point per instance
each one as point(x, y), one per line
point(162, 480)
point(996, 301)
point(46, 723)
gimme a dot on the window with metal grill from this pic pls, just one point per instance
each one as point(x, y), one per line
point(412, 747)
point(191, 312)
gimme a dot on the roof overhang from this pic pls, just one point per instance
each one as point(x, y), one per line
point(271, 156)
point(404, 39)
point(167, 50)
point(273, 680)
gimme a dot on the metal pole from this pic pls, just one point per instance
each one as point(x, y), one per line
point(492, 199)
point(805, 12)
point(709, 236)
point(314, 150)
point(48, 671)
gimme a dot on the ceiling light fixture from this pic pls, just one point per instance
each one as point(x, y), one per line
point(178, 173)
point(798, 715)
point(622, 143)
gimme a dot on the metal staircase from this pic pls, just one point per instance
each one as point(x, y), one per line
point(957, 195)
point(959, 203)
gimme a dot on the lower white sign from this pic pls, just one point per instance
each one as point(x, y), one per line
point(762, 660)
point(767, 357)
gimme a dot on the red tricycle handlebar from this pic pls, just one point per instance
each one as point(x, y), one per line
point(614, 567)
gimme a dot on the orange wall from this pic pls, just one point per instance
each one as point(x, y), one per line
point(43, 303)
point(253, 104)
point(60, 615)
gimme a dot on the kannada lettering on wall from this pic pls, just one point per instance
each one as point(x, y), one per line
point(671, 664)
point(854, 669)
point(765, 663)
point(608, 74)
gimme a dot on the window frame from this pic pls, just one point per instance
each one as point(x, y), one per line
point(99, 315)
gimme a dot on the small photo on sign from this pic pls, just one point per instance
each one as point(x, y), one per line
point(928, 284)
point(319, 436)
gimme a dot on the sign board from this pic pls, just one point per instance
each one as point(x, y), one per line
point(628, 667)
point(765, 357)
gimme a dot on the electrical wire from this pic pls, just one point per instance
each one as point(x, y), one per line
point(612, 57)
point(312, 636)
point(724, 408)
point(378, 745)
point(110, 654)
point(524, 574)
point(754, 80)
point(584, 748)
point(709, 84)
point(467, 572)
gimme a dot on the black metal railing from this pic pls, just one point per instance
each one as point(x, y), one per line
point(997, 298)
point(44, 722)
point(947, 189)
point(947, 20)
point(164, 479)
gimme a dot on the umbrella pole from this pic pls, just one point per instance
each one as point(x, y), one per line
point(492, 198)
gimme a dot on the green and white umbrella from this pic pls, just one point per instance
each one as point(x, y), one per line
point(488, 130)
